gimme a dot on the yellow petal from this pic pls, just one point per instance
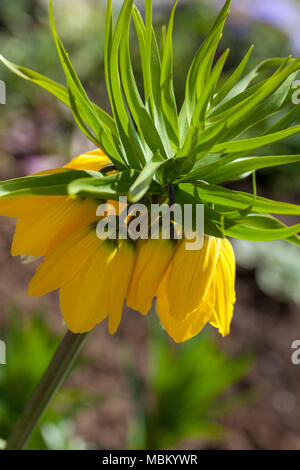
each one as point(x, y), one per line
point(94, 160)
point(45, 224)
point(63, 261)
point(20, 206)
point(151, 262)
point(190, 276)
point(122, 271)
point(224, 286)
point(84, 298)
point(181, 331)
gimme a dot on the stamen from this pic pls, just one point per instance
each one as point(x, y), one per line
point(107, 169)
point(171, 194)
point(171, 191)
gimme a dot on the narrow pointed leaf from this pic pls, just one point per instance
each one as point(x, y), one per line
point(263, 221)
point(139, 112)
point(169, 105)
point(247, 232)
point(255, 143)
point(242, 167)
point(227, 198)
point(143, 181)
point(233, 79)
point(54, 184)
point(110, 187)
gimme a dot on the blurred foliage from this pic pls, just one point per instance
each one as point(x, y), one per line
point(188, 391)
point(24, 25)
point(276, 265)
point(25, 37)
point(30, 345)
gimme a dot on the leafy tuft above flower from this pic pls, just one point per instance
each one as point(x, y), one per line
point(152, 142)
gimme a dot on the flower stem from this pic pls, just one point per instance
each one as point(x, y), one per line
point(58, 368)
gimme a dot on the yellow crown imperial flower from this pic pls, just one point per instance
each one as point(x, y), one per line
point(95, 276)
point(155, 150)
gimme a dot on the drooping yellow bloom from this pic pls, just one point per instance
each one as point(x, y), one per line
point(96, 276)
point(198, 288)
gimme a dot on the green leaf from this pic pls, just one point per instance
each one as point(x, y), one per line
point(223, 111)
point(84, 107)
point(246, 106)
point(287, 120)
point(54, 184)
point(207, 139)
point(151, 68)
point(241, 91)
point(168, 100)
point(188, 152)
point(134, 152)
point(54, 88)
point(233, 79)
point(246, 228)
point(207, 92)
point(57, 90)
point(263, 221)
point(148, 53)
point(201, 64)
point(255, 143)
point(247, 232)
point(253, 100)
point(79, 121)
point(270, 106)
point(241, 167)
point(141, 117)
point(141, 185)
point(211, 218)
point(108, 187)
point(236, 200)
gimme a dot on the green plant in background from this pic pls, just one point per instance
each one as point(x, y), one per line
point(187, 392)
point(30, 345)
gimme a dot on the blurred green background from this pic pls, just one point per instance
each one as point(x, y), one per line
point(137, 389)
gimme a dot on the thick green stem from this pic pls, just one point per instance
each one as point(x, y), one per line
point(59, 366)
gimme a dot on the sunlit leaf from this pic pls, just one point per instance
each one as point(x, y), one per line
point(53, 184)
point(110, 187)
point(143, 181)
